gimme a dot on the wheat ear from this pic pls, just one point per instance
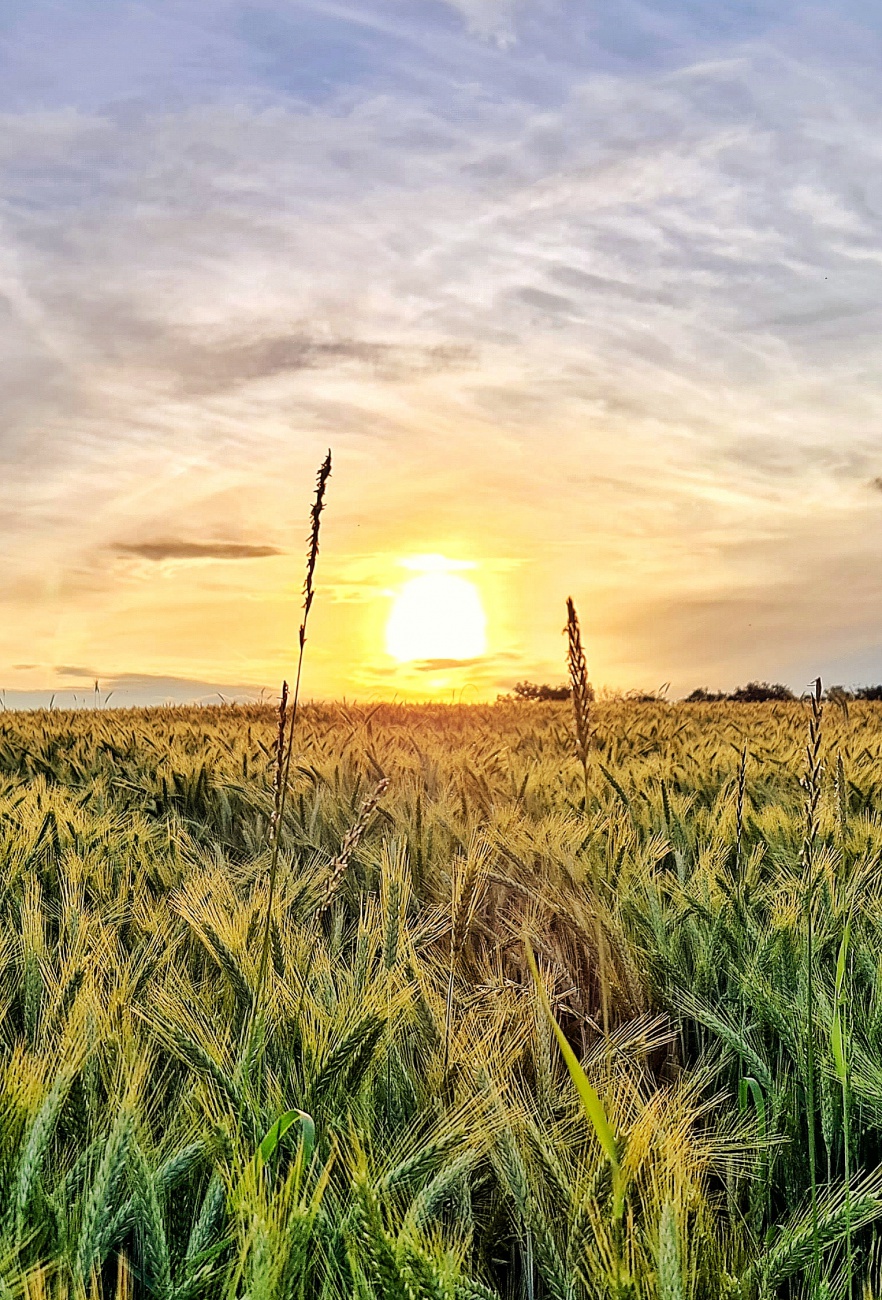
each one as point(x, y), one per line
point(351, 840)
point(582, 692)
point(583, 698)
point(283, 754)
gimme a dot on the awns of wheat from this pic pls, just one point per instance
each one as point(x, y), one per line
point(582, 690)
point(313, 548)
point(351, 840)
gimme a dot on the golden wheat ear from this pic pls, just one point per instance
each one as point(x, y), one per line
point(583, 698)
point(582, 690)
point(279, 766)
point(351, 840)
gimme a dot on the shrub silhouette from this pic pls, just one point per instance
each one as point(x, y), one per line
point(759, 692)
point(530, 691)
point(752, 693)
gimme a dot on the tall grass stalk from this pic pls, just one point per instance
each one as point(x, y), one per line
point(812, 785)
point(351, 840)
point(286, 744)
point(842, 808)
point(582, 694)
point(670, 1276)
point(739, 820)
point(839, 1052)
point(469, 878)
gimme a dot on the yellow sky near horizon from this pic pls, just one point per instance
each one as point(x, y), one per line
point(169, 580)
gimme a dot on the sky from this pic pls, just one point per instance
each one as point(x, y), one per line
point(583, 296)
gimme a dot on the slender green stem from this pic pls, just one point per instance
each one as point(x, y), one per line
point(448, 1013)
point(810, 1083)
point(288, 745)
point(839, 1051)
point(813, 795)
point(846, 1143)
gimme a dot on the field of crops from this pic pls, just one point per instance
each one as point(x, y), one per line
point(520, 1035)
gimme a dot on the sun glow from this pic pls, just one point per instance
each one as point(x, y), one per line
point(437, 616)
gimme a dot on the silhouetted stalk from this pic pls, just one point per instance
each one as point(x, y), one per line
point(286, 745)
point(582, 693)
point(278, 775)
point(583, 697)
point(812, 785)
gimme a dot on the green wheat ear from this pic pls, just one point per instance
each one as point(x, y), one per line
point(670, 1274)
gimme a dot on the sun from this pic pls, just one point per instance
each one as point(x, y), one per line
point(437, 615)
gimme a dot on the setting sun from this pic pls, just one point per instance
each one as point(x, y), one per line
point(437, 615)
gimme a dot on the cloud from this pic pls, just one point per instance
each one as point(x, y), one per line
point(148, 686)
point(176, 549)
point(437, 665)
point(212, 370)
point(489, 19)
point(599, 301)
point(130, 690)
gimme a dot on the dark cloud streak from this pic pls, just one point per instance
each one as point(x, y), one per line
point(205, 370)
point(174, 549)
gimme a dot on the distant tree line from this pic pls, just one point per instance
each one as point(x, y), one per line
point(872, 693)
point(752, 693)
point(760, 692)
point(532, 691)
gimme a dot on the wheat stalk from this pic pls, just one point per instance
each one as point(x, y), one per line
point(469, 879)
point(351, 840)
point(583, 698)
point(812, 786)
point(670, 1274)
point(283, 753)
point(582, 691)
point(279, 770)
point(739, 819)
point(842, 804)
point(315, 515)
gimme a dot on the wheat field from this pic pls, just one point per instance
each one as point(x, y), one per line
point(430, 1091)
